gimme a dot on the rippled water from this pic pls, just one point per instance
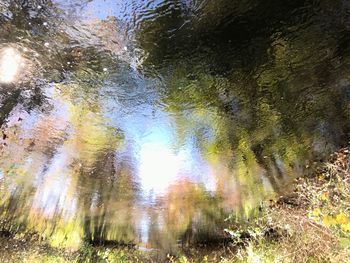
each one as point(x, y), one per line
point(152, 122)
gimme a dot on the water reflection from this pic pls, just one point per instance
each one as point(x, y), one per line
point(10, 64)
point(150, 122)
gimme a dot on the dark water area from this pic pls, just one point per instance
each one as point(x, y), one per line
point(157, 122)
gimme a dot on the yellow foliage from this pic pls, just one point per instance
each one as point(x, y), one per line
point(183, 259)
point(341, 218)
point(346, 227)
point(324, 196)
point(328, 220)
point(316, 212)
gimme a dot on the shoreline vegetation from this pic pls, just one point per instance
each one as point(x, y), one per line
point(309, 224)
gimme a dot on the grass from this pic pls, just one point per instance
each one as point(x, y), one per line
point(18, 251)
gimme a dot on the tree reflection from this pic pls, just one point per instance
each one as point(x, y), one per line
point(267, 97)
point(248, 99)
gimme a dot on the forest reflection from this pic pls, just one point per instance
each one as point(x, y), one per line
point(154, 124)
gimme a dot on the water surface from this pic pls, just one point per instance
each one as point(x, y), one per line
point(153, 122)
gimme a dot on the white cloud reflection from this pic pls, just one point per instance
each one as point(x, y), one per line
point(159, 166)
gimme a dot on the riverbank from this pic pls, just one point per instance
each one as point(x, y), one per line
point(310, 224)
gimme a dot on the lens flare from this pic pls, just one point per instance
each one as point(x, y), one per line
point(10, 64)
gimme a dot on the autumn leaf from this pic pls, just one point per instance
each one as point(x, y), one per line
point(341, 218)
point(328, 220)
point(316, 212)
point(346, 227)
point(324, 196)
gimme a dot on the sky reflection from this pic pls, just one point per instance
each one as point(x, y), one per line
point(10, 64)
